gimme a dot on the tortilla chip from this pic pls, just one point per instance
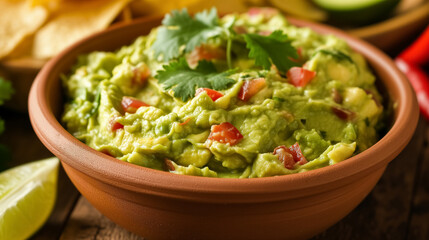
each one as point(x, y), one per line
point(18, 20)
point(153, 7)
point(223, 6)
point(52, 5)
point(73, 21)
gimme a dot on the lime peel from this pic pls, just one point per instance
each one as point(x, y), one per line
point(27, 197)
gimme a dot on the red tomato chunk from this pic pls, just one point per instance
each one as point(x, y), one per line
point(290, 156)
point(299, 76)
point(251, 88)
point(205, 52)
point(213, 94)
point(130, 104)
point(344, 114)
point(140, 75)
point(225, 133)
point(169, 165)
point(114, 125)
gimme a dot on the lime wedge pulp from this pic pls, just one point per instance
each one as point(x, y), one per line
point(27, 197)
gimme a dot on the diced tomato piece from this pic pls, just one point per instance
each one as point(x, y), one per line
point(115, 125)
point(266, 12)
point(299, 76)
point(297, 154)
point(290, 156)
point(140, 74)
point(205, 52)
point(213, 94)
point(225, 133)
point(336, 96)
point(251, 88)
point(169, 165)
point(343, 113)
point(284, 156)
point(130, 104)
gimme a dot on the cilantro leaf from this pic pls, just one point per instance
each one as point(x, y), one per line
point(273, 49)
point(183, 80)
point(180, 29)
point(6, 90)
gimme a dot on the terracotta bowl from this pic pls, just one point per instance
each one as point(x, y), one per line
point(162, 205)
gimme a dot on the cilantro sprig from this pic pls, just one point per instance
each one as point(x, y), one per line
point(6, 90)
point(181, 34)
point(273, 49)
point(180, 29)
point(183, 80)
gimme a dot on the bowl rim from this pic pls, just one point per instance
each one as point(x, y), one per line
point(146, 180)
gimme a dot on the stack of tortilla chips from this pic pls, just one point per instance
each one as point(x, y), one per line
point(40, 29)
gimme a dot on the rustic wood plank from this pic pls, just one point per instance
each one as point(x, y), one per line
point(419, 217)
point(67, 197)
point(385, 211)
point(87, 223)
point(24, 146)
point(20, 139)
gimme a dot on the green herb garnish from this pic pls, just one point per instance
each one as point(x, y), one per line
point(183, 80)
point(279, 99)
point(180, 29)
point(273, 49)
point(181, 34)
point(6, 90)
point(96, 105)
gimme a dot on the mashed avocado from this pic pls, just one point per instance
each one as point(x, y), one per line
point(215, 108)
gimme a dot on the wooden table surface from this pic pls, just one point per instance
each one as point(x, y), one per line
point(397, 208)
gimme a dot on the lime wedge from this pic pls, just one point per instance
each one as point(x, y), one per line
point(27, 197)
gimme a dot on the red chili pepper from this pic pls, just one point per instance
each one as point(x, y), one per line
point(418, 52)
point(410, 61)
point(420, 82)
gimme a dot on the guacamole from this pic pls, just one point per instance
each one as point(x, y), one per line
point(243, 96)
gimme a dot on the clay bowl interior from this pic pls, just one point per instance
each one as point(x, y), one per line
point(161, 205)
